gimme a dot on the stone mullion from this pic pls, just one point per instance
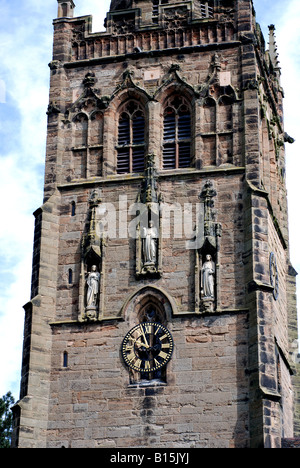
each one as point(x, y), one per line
point(109, 137)
point(155, 133)
point(198, 145)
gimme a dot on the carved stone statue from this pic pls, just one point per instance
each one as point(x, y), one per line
point(150, 237)
point(120, 5)
point(93, 289)
point(208, 278)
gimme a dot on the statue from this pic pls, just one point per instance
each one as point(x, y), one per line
point(93, 289)
point(150, 237)
point(120, 5)
point(208, 278)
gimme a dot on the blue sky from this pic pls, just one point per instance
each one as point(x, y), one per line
point(25, 51)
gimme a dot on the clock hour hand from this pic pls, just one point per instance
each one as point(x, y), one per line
point(138, 342)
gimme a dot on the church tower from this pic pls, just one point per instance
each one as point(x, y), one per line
point(163, 310)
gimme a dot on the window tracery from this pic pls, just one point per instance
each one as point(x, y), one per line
point(177, 135)
point(131, 139)
point(217, 131)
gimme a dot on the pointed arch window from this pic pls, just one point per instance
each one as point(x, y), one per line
point(177, 134)
point(131, 139)
point(87, 144)
point(217, 131)
point(150, 313)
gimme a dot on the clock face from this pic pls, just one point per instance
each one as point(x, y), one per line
point(147, 347)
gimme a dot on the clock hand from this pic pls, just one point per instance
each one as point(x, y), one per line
point(144, 336)
point(138, 342)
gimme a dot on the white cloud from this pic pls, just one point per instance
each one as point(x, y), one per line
point(24, 61)
point(26, 50)
point(97, 9)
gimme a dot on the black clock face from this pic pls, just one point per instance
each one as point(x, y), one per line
point(147, 347)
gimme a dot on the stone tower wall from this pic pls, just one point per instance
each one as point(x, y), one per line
point(229, 381)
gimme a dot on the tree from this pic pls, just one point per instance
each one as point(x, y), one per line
point(6, 420)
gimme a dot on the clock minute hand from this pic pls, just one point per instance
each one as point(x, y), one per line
point(144, 336)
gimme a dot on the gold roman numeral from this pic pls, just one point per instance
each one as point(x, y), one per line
point(131, 356)
point(148, 329)
point(163, 337)
point(165, 345)
point(138, 363)
point(163, 355)
point(147, 366)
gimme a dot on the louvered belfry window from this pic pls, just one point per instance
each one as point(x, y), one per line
point(131, 139)
point(177, 134)
point(206, 8)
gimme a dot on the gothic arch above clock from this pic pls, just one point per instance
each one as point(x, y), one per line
point(146, 298)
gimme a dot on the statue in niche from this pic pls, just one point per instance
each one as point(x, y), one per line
point(150, 236)
point(92, 291)
point(149, 228)
point(208, 278)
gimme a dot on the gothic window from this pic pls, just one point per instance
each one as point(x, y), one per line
point(87, 144)
point(149, 305)
point(217, 131)
point(225, 110)
point(150, 313)
point(81, 130)
point(177, 134)
point(96, 129)
point(131, 139)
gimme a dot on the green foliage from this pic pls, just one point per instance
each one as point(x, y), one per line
point(6, 420)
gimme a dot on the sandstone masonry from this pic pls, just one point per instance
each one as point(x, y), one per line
point(177, 105)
